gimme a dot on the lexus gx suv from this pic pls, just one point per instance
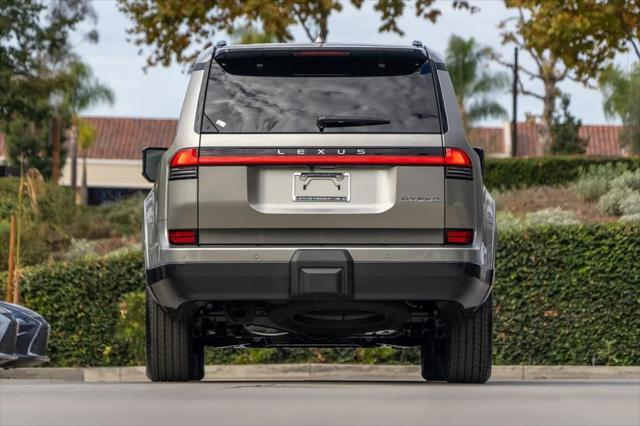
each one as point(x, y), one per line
point(319, 195)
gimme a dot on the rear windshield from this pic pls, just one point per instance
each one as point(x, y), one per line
point(320, 91)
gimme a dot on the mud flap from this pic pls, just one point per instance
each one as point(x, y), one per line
point(321, 274)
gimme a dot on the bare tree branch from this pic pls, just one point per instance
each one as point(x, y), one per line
point(635, 46)
point(303, 22)
point(526, 92)
point(502, 62)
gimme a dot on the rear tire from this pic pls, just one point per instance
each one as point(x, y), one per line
point(465, 355)
point(171, 355)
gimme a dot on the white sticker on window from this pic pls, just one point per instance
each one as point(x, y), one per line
point(220, 123)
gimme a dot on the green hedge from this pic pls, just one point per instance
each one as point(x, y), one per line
point(81, 300)
point(507, 173)
point(564, 295)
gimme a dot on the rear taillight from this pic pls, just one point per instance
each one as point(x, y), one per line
point(456, 157)
point(459, 236)
point(185, 157)
point(357, 156)
point(183, 237)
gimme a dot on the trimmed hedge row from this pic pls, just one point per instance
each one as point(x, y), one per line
point(507, 173)
point(563, 295)
point(81, 301)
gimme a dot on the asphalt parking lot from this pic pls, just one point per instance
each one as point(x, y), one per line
point(592, 402)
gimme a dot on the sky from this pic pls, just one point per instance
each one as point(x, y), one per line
point(159, 92)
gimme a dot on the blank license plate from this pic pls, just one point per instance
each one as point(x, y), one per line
point(316, 186)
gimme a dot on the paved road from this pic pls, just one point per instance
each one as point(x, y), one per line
point(320, 403)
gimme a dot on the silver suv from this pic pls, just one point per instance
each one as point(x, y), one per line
point(319, 195)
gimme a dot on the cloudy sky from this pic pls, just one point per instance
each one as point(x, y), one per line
point(159, 91)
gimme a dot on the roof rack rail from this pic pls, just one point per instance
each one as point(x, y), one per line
point(416, 43)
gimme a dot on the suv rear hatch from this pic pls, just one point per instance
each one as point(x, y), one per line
point(320, 145)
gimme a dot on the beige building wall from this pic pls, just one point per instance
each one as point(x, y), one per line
point(108, 173)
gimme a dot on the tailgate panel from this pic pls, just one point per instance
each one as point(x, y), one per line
point(254, 204)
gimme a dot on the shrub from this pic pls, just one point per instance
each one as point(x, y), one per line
point(628, 179)
point(124, 215)
point(590, 188)
point(507, 173)
point(566, 295)
point(631, 204)
point(632, 218)
point(552, 216)
point(595, 181)
point(611, 202)
point(507, 220)
point(50, 228)
point(130, 327)
point(81, 301)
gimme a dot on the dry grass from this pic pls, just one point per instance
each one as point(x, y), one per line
point(522, 201)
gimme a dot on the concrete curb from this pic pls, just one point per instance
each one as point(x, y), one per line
point(347, 372)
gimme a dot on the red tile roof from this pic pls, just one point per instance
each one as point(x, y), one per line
point(602, 139)
point(125, 137)
point(491, 139)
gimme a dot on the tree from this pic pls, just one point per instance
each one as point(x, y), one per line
point(34, 52)
point(573, 39)
point(27, 143)
point(34, 37)
point(565, 131)
point(473, 82)
point(172, 27)
point(82, 91)
point(86, 137)
point(622, 99)
point(584, 34)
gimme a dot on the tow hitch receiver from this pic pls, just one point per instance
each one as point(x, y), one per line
point(321, 274)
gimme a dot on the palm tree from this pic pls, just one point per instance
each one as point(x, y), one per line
point(475, 85)
point(83, 91)
point(621, 92)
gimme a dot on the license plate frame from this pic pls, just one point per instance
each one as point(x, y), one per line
point(329, 187)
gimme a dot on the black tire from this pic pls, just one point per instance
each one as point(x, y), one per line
point(171, 355)
point(465, 354)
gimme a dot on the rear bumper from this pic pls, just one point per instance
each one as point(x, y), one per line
point(462, 282)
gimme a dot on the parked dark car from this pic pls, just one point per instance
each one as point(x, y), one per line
point(24, 336)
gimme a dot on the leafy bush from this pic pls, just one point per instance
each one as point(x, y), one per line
point(125, 215)
point(566, 295)
point(631, 205)
point(552, 216)
point(546, 217)
point(81, 301)
point(595, 181)
point(628, 179)
point(632, 218)
point(507, 173)
point(130, 328)
point(508, 220)
point(611, 202)
point(591, 188)
point(50, 226)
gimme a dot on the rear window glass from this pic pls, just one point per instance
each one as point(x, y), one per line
point(320, 90)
